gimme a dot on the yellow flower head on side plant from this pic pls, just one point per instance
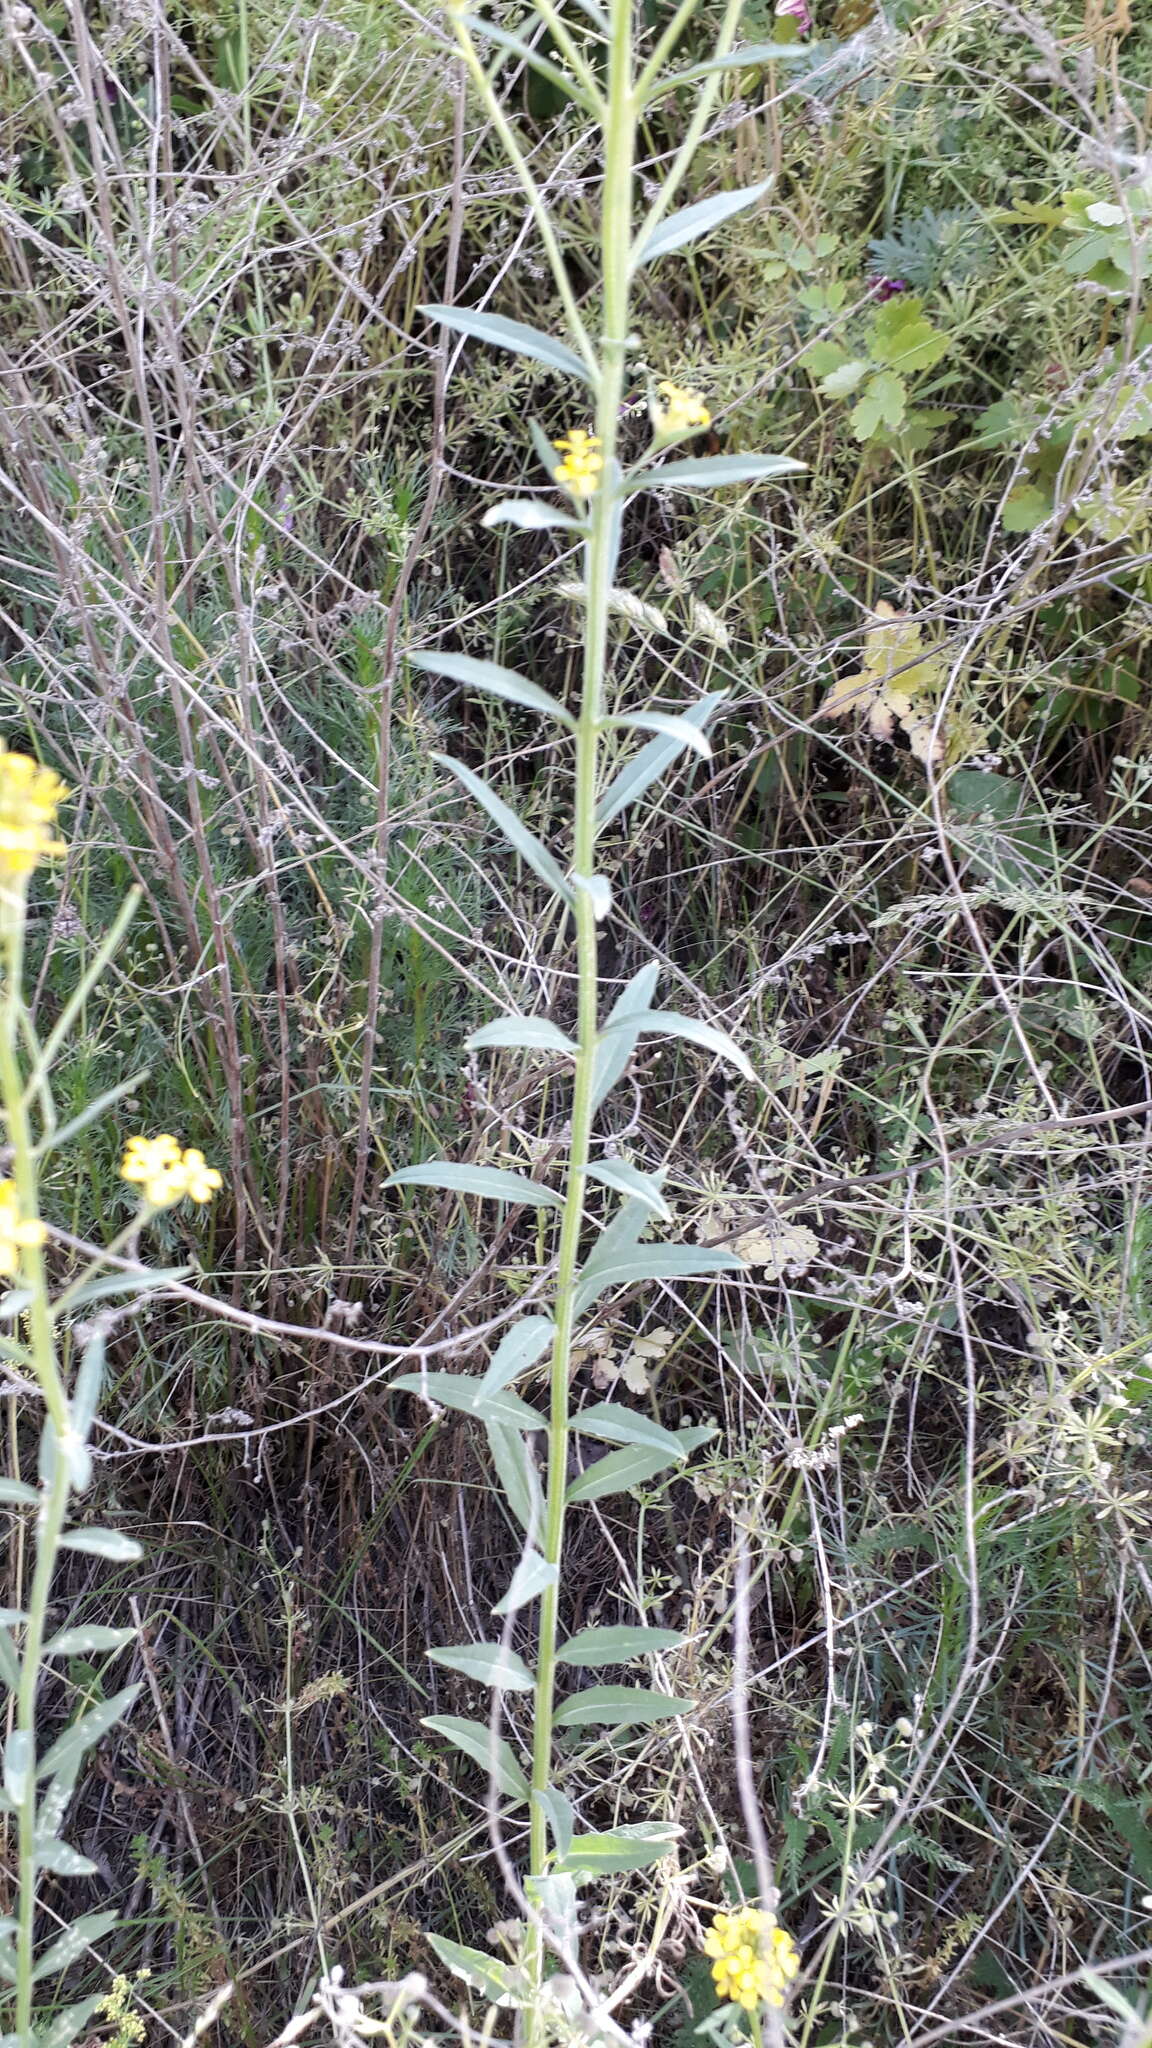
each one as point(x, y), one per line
point(167, 1173)
point(753, 1960)
point(30, 797)
point(583, 463)
point(682, 411)
point(15, 1233)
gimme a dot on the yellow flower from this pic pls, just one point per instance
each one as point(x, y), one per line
point(166, 1173)
point(583, 463)
point(29, 799)
point(753, 1960)
point(15, 1234)
point(681, 411)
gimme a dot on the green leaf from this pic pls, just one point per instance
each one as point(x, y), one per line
point(14, 1494)
point(651, 1262)
point(9, 1662)
point(61, 1859)
point(510, 334)
point(531, 1577)
point(646, 766)
point(492, 1979)
point(692, 222)
point(64, 2027)
point(559, 1815)
point(516, 1469)
point(531, 515)
point(89, 1383)
point(537, 1034)
point(70, 1747)
point(671, 1024)
point(823, 358)
point(475, 1739)
point(490, 1182)
point(110, 1544)
point(610, 1423)
point(12, 1617)
point(77, 1642)
point(619, 1706)
point(682, 730)
point(519, 1348)
point(463, 1391)
point(108, 1285)
point(634, 1846)
point(842, 381)
point(629, 1180)
point(710, 472)
point(902, 339)
point(615, 1048)
point(64, 1133)
point(524, 842)
point(882, 405)
point(495, 681)
point(595, 1646)
point(563, 81)
point(19, 1759)
point(82, 1935)
point(620, 1472)
point(1026, 507)
point(489, 1664)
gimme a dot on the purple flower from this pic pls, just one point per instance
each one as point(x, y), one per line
point(888, 288)
point(798, 9)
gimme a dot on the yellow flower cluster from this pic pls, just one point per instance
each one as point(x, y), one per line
point(583, 463)
point(166, 1173)
point(15, 1232)
point(753, 1960)
point(29, 799)
point(681, 411)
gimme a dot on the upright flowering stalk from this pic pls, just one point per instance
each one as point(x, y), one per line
point(38, 1784)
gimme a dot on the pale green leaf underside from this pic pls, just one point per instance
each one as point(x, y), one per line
point(531, 1577)
point(619, 1706)
point(488, 1663)
point(110, 1544)
point(645, 767)
point(611, 1423)
point(519, 1348)
point(626, 1179)
point(533, 1034)
point(511, 334)
point(515, 831)
point(614, 1052)
point(671, 1024)
point(516, 1470)
point(692, 222)
point(491, 1182)
point(653, 1262)
point(709, 472)
point(496, 681)
point(497, 1760)
point(560, 1816)
point(83, 1733)
point(469, 1396)
point(78, 1642)
point(620, 1472)
point(481, 1973)
point(669, 723)
point(634, 1847)
point(531, 515)
point(616, 1645)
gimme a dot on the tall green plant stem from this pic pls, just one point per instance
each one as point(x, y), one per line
point(600, 566)
point(54, 1495)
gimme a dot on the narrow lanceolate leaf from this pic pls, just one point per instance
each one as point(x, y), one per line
point(634, 1846)
point(494, 680)
point(652, 1262)
point(531, 1577)
point(491, 1978)
point(595, 1646)
point(614, 1052)
point(475, 1739)
point(463, 1391)
point(69, 1747)
point(620, 1472)
point(651, 762)
point(64, 2026)
point(536, 1034)
point(518, 1349)
point(78, 1642)
point(19, 1759)
point(671, 1024)
point(516, 1471)
point(490, 1182)
point(510, 334)
point(709, 472)
point(691, 222)
point(61, 1859)
point(675, 728)
point(9, 1662)
point(559, 1815)
point(515, 831)
point(628, 1180)
point(532, 515)
point(619, 1706)
point(110, 1544)
point(83, 1933)
point(611, 1423)
point(489, 1664)
point(14, 1494)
